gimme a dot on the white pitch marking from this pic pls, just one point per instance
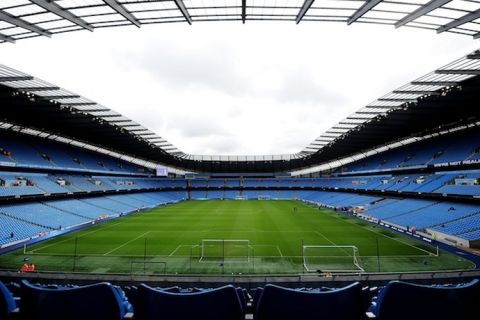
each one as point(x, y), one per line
point(176, 249)
point(130, 241)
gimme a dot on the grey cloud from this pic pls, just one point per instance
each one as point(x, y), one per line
point(197, 127)
point(196, 68)
point(223, 145)
point(301, 87)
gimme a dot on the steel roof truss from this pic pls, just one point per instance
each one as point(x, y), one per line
point(122, 11)
point(303, 10)
point(367, 6)
point(59, 11)
point(7, 17)
point(420, 12)
point(458, 22)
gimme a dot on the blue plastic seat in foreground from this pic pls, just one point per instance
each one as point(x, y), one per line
point(215, 304)
point(98, 301)
point(7, 303)
point(401, 300)
point(278, 303)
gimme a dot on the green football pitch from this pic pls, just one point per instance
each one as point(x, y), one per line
point(234, 237)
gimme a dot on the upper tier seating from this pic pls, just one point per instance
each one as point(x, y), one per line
point(32, 152)
point(461, 146)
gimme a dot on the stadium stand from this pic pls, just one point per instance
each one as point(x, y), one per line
point(427, 188)
point(430, 184)
point(435, 151)
point(33, 219)
point(32, 152)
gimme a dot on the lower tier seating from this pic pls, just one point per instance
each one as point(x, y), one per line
point(27, 220)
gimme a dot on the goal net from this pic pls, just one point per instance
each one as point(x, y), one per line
point(225, 251)
point(333, 258)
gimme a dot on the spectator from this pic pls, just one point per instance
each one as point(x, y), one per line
point(24, 268)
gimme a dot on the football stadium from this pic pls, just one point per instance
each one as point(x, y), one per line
point(103, 218)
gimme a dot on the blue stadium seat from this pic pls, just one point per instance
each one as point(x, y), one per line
point(7, 303)
point(215, 304)
point(278, 303)
point(400, 300)
point(100, 301)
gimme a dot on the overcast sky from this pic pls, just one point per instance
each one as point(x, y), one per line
point(228, 88)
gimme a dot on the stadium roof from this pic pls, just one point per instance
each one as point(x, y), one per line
point(21, 19)
point(434, 84)
point(419, 107)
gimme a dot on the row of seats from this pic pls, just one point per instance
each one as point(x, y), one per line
point(397, 300)
point(458, 147)
point(23, 183)
point(32, 152)
point(440, 182)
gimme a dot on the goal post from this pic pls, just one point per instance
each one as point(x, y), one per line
point(263, 197)
point(225, 250)
point(331, 258)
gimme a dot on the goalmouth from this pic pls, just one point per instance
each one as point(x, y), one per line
point(225, 251)
point(332, 258)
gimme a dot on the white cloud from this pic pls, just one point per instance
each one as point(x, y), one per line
point(227, 88)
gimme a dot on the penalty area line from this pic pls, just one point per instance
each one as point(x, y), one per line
point(176, 249)
point(123, 245)
point(280, 251)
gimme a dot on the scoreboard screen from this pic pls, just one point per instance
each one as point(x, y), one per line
point(162, 171)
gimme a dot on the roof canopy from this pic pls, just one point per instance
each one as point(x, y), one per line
point(20, 19)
